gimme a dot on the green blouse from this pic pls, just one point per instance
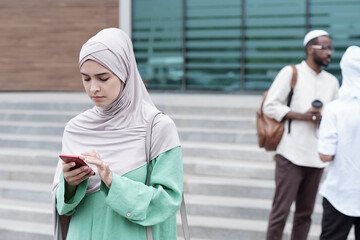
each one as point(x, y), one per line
point(123, 211)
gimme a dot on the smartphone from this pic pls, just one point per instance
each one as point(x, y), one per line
point(79, 162)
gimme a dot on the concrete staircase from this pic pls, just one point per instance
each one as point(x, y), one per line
point(228, 180)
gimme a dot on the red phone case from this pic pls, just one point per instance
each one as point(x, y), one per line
point(76, 159)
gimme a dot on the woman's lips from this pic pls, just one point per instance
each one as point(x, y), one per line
point(97, 98)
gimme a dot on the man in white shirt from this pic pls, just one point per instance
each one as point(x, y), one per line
point(298, 166)
point(339, 141)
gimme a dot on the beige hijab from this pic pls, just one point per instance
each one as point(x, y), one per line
point(117, 131)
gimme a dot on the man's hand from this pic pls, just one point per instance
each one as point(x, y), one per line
point(326, 158)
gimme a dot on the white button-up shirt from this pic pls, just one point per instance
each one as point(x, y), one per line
point(339, 135)
point(300, 146)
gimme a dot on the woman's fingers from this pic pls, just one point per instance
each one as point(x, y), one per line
point(76, 176)
point(94, 158)
point(102, 167)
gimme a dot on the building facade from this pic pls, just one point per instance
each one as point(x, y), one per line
point(180, 45)
point(40, 41)
point(233, 45)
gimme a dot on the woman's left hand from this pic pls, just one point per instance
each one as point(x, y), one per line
point(102, 167)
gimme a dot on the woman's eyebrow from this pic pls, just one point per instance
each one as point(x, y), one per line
point(100, 74)
point(97, 75)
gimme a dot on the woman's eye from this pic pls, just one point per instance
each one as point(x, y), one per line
point(103, 79)
point(86, 79)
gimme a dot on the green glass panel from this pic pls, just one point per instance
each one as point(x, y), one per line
point(341, 19)
point(157, 40)
point(213, 44)
point(274, 34)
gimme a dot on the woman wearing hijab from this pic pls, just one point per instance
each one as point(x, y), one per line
point(339, 141)
point(109, 199)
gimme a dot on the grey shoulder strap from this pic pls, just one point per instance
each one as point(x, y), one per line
point(184, 221)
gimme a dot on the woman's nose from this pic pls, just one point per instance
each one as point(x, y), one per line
point(94, 87)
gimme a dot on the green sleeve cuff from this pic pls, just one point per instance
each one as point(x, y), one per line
point(126, 197)
point(67, 208)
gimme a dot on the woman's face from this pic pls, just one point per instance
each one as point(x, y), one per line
point(102, 86)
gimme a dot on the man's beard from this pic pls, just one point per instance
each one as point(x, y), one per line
point(320, 61)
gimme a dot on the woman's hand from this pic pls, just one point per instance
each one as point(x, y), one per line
point(103, 168)
point(75, 176)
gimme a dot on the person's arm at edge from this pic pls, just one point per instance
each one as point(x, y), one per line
point(328, 134)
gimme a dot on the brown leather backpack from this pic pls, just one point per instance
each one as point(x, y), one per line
point(270, 131)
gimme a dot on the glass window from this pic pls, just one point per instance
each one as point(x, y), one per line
point(212, 58)
point(341, 20)
point(213, 44)
point(274, 35)
point(157, 39)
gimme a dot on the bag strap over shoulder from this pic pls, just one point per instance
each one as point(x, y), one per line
point(293, 83)
point(292, 86)
point(148, 144)
point(183, 215)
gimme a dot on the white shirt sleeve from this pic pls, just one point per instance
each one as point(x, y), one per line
point(328, 132)
point(275, 103)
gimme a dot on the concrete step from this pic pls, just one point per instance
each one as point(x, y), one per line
point(174, 109)
point(220, 150)
point(229, 168)
point(36, 115)
point(237, 207)
point(217, 135)
point(218, 228)
point(30, 141)
point(185, 133)
point(21, 156)
point(214, 121)
point(44, 105)
point(231, 187)
point(28, 128)
point(228, 187)
point(207, 110)
point(24, 190)
point(29, 230)
point(29, 173)
point(26, 117)
point(21, 210)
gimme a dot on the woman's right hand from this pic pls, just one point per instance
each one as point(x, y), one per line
point(75, 176)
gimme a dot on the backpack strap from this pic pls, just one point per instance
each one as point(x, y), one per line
point(292, 86)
